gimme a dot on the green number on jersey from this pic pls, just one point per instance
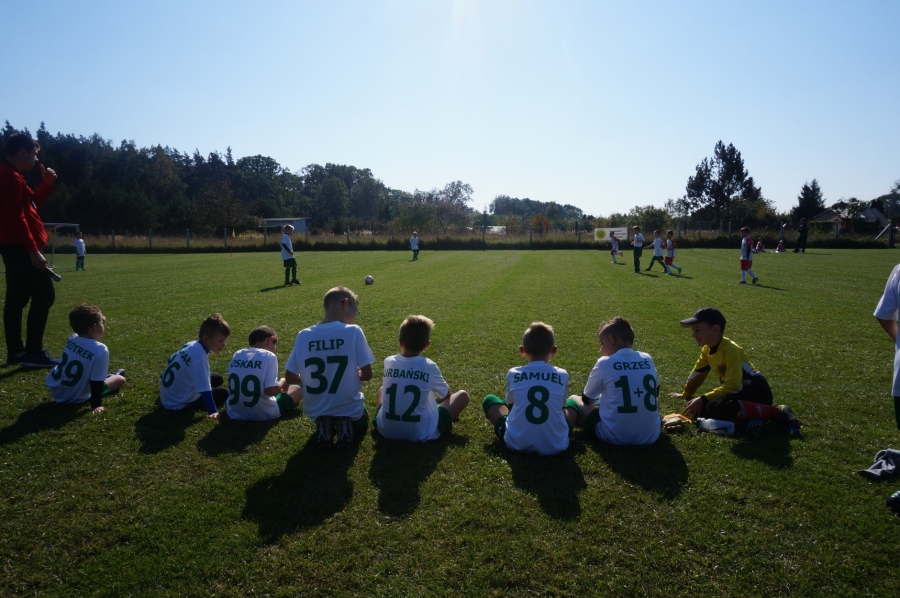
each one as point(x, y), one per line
point(318, 373)
point(408, 416)
point(234, 389)
point(73, 370)
point(650, 390)
point(539, 404)
point(249, 387)
point(168, 377)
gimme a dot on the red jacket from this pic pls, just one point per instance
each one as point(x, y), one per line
point(20, 223)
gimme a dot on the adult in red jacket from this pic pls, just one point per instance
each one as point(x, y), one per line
point(22, 236)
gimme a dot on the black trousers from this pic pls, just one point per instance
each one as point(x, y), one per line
point(754, 390)
point(25, 283)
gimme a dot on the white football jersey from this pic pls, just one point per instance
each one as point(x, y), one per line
point(409, 410)
point(625, 387)
point(186, 376)
point(82, 361)
point(887, 309)
point(414, 243)
point(286, 253)
point(747, 249)
point(327, 357)
point(657, 247)
point(537, 393)
point(670, 248)
point(79, 247)
point(250, 372)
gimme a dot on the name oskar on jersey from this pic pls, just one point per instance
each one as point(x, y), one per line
point(246, 364)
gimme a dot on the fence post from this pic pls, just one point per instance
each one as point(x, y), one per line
point(265, 236)
point(150, 239)
point(392, 234)
point(530, 231)
point(729, 230)
point(891, 235)
point(187, 237)
point(837, 228)
point(225, 236)
point(483, 242)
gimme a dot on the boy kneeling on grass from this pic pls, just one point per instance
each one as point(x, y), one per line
point(620, 402)
point(256, 392)
point(743, 395)
point(544, 417)
point(412, 383)
point(81, 374)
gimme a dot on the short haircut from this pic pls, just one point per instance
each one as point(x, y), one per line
point(669, 232)
point(338, 294)
point(619, 328)
point(214, 324)
point(745, 229)
point(287, 227)
point(259, 334)
point(83, 317)
point(21, 141)
point(415, 332)
point(635, 228)
point(656, 232)
point(538, 339)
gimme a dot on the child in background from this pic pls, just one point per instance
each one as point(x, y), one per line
point(638, 247)
point(79, 251)
point(657, 253)
point(671, 245)
point(747, 257)
point(256, 392)
point(331, 360)
point(287, 256)
point(780, 247)
point(81, 374)
point(743, 395)
point(544, 417)
point(414, 245)
point(615, 247)
point(187, 379)
point(620, 402)
point(760, 248)
point(412, 383)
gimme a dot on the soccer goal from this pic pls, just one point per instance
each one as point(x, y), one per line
point(53, 227)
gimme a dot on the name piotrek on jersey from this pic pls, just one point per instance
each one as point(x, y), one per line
point(330, 344)
point(81, 352)
point(245, 364)
point(408, 374)
point(543, 376)
point(632, 365)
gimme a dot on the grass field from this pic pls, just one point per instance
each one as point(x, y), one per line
point(136, 501)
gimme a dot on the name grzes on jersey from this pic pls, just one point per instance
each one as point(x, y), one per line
point(245, 364)
point(632, 365)
point(330, 344)
point(408, 374)
point(543, 376)
point(79, 350)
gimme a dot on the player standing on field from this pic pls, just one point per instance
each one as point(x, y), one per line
point(747, 257)
point(637, 245)
point(615, 247)
point(414, 245)
point(886, 313)
point(670, 252)
point(79, 251)
point(287, 256)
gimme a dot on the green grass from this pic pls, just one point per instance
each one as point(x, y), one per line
point(140, 502)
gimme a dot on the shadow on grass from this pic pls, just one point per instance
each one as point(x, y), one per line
point(46, 416)
point(163, 428)
point(266, 290)
point(555, 481)
point(658, 468)
point(399, 468)
point(15, 370)
point(232, 436)
point(774, 451)
point(313, 486)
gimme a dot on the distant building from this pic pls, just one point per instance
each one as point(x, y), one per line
point(298, 223)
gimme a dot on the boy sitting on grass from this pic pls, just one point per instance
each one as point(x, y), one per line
point(256, 392)
point(620, 402)
point(544, 417)
point(743, 395)
point(409, 381)
point(81, 374)
point(187, 378)
point(331, 360)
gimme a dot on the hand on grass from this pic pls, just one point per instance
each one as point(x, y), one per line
point(97, 410)
point(212, 416)
point(694, 408)
point(676, 394)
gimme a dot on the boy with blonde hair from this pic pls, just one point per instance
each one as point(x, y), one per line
point(620, 402)
point(187, 377)
point(419, 406)
point(81, 374)
point(331, 360)
point(287, 256)
point(256, 392)
point(544, 417)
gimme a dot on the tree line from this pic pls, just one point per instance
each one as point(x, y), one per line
point(102, 186)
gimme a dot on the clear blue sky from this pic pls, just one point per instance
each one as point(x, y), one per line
point(604, 105)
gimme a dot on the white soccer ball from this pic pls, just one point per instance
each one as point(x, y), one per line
point(370, 279)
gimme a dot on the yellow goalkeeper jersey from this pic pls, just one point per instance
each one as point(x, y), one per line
point(727, 360)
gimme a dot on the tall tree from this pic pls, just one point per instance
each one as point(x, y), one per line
point(719, 182)
point(810, 202)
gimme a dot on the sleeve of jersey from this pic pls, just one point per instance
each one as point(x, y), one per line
point(438, 384)
point(594, 386)
point(734, 373)
point(364, 355)
point(271, 375)
point(887, 307)
point(208, 402)
point(697, 377)
point(12, 211)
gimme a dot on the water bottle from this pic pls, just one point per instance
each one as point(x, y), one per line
point(716, 426)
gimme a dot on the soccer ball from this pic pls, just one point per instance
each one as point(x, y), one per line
point(370, 279)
